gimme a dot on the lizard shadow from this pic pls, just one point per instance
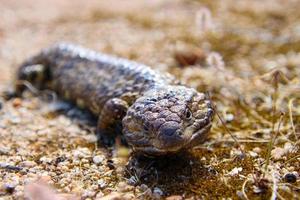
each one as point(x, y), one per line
point(82, 117)
point(174, 174)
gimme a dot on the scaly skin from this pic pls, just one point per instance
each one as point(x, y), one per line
point(157, 115)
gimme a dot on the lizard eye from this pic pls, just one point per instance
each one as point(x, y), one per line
point(188, 113)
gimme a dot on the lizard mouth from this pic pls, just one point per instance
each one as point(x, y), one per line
point(191, 141)
point(198, 136)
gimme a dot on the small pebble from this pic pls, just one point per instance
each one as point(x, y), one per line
point(128, 196)
point(81, 153)
point(229, 117)
point(132, 181)
point(174, 197)
point(102, 183)
point(87, 193)
point(235, 171)
point(17, 102)
point(123, 187)
point(9, 188)
point(4, 150)
point(143, 187)
point(45, 159)
point(111, 196)
point(99, 195)
point(98, 159)
point(14, 120)
point(253, 154)
point(28, 163)
point(256, 150)
point(157, 192)
point(290, 177)
point(84, 161)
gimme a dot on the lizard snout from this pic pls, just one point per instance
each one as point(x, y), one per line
point(170, 136)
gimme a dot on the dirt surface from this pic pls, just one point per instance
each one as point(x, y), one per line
point(244, 53)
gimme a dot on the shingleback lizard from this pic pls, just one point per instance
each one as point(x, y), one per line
point(156, 114)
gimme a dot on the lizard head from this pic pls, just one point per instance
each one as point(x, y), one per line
point(168, 119)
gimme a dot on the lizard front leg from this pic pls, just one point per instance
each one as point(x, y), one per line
point(110, 120)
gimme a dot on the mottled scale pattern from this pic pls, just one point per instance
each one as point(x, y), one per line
point(78, 72)
point(161, 116)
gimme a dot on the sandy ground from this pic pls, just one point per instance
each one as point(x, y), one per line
point(245, 53)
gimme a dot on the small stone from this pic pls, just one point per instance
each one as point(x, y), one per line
point(132, 181)
point(4, 150)
point(257, 190)
point(28, 163)
point(98, 159)
point(64, 168)
point(111, 196)
point(253, 154)
point(102, 183)
point(229, 117)
point(17, 102)
point(9, 187)
point(99, 195)
point(235, 171)
point(237, 153)
point(81, 153)
point(45, 160)
point(240, 194)
point(174, 197)
point(143, 187)
point(278, 153)
point(256, 150)
point(84, 161)
point(290, 177)
point(123, 187)
point(157, 193)
point(14, 120)
point(88, 193)
point(94, 187)
point(91, 138)
point(128, 196)
point(86, 165)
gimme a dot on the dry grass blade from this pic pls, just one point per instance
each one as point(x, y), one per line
point(291, 117)
point(274, 187)
point(224, 125)
point(291, 159)
point(243, 189)
point(271, 144)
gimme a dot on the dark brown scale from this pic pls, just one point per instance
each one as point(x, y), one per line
point(150, 107)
